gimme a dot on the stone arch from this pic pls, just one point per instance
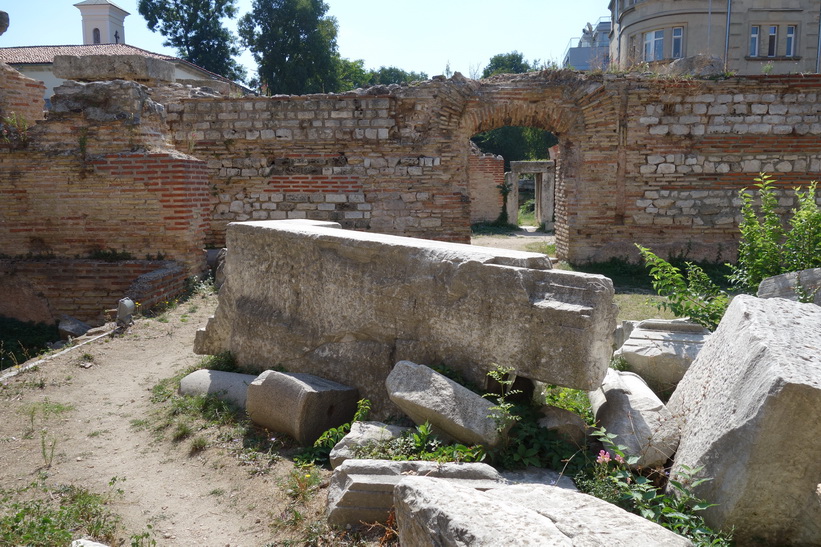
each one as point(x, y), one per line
point(549, 101)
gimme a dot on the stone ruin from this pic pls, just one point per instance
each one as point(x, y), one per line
point(311, 297)
point(337, 309)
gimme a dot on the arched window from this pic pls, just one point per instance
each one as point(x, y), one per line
point(96, 35)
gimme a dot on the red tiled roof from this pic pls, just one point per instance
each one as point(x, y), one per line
point(26, 55)
point(45, 54)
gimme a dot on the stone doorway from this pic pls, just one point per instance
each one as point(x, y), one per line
point(543, 172)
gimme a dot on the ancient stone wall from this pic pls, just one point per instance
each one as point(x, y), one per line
point(640, 159)
point(83, 185)
point(20, 95)
point(485, 172)
point(99, 175)
point(43, 290)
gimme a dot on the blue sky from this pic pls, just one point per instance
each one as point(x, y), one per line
point(415, 35)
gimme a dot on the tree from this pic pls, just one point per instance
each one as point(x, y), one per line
point(507, 63)
point(195, 28)
point(513, 143)
point(387, 75)
point(294, 45)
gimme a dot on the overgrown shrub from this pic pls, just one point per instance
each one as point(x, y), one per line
point(766, 248)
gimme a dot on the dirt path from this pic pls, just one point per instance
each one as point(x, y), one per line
point(188, 500)
point(519, 240)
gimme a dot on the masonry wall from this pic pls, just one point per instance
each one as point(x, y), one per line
point(485, 172)
point(20, 95)
point(43, 290)
point(81, 186)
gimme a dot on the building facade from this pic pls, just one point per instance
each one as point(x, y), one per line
point(748, 36)
point(591, 50)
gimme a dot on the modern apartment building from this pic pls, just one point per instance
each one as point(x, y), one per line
point(591, 50)
point(749, 36)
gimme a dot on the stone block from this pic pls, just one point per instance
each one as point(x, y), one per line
point(227, 386)
point(570, 426)
point(348, 305)
point(661, 351)
point(432, 512)
point(71, 327)
point(362, 490)
point(302, 405)
point(363, 434)
point(789, 285)
point(453, 410)
point(748, 411)
point(95, 68)
point(628, 408)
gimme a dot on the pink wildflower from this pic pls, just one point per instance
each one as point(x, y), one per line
point(604, 457)
point(619, 459)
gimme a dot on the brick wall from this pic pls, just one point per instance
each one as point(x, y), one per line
point(85, 288)
point(486, 172)
point(20, 95)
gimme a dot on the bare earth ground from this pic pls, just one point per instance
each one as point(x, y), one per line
point(515, 240)
point(178, 497)
point(188, 500)
point(181, 499)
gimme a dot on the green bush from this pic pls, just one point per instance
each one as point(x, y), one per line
point(695, 296)
point(766, 248)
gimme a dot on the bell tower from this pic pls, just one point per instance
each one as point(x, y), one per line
point(102, 22)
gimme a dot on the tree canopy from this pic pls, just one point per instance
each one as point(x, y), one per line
point(294, 45)
point(514, 143)
point(352, 74)
point(507, 63)
point(195, 29)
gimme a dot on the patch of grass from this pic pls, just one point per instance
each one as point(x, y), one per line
point(54, 516)
point(223, 361)
point(574, 400)
point(182, 430)
point(548, 249)
point(628, 276)
point(198, 444)
point(527, 213)
point(302, 482)
point(637, 307)
point(492, 228)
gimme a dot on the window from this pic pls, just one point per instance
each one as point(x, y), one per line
point(654, 45)
point(772, 41)
point(96, 35)
point(755, 30)
point(678, 43)
point(790, 41)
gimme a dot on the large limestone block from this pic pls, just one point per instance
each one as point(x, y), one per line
point(453, 410)
point(661, 351)
point(748, 409)
point(432, 512)
point(95, 68)
point(362, 490)
point(625, 406)
point(789, 285)
point(227, 386)
point(363, 434)
point(347, 305)
point(302, 405)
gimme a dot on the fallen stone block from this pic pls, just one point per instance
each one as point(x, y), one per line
point(661, 351)
point(538, 476)
point(362, 490)
point(453, 410)
point(93, 68)
point(363, 434)
point(793, 286)
point(568, 425)
point(301, 405)
point(748, 410)
point(231, 387)
point(347, 305)
point(71, 327)
point(625, 406)
point(431, 512)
